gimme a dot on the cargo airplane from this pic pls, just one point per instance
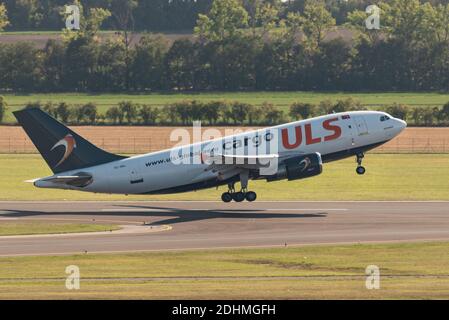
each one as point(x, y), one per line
point(290, 151)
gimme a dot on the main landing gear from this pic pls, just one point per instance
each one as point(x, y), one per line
point(360, 169)
point(243, 194)
point(239, 196)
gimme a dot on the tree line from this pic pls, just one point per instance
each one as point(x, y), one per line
point(225, 113)
point(236, 49)
point(155, 15)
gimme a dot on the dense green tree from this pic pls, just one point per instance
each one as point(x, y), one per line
point(271, 115)
point(19, 67)
point(262, 15)
point(292, 57)
point(149, 115)
point(182, 65)
point(91, 20)
point(52, 69)
point(170, 114)
point(129, 111)
point(225, 19)
point(324, 107)
point(157, 15)
point(63, 112)
point(348, 104)
point(33, 104)
point(76, 114)
point(428, 117)
point(80, 62)
point(232, 64)
point(316, 21)
point(416, 115)
point(147, 67)
point(445, 112)
point(400, 111)
point(50, 108)
point(3, 108)
point(24, 14)
point(183, 112)
point(254, 114)
point(212, 111)
point(301, 110)
point(330, 66)
point(239, 112)
point(123, 13)
point(88, 112)
point(3, 17)
point(109, 73)
point(115, 115)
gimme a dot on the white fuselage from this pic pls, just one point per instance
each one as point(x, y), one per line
point(334, 136)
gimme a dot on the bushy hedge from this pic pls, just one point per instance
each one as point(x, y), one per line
point(184, 113)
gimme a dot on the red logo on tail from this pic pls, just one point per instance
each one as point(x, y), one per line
point(69, 143)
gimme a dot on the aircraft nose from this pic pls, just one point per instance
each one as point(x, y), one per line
point(401, 124)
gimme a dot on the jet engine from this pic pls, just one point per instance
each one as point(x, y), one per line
point(300, 167)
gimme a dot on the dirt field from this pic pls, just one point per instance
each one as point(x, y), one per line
point(147, 139)
point(39, 40)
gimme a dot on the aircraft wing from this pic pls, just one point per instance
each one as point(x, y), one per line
point(239, 161)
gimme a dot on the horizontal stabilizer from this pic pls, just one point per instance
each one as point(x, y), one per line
point(75, 181)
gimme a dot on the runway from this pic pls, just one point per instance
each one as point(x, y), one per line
point(209, 225)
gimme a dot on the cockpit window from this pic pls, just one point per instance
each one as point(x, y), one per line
point(384, 118)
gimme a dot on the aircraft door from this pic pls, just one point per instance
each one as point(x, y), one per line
point(360, 124)
point(135, 177)
point(359, 129)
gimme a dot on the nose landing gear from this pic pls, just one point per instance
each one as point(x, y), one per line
point(360, 169)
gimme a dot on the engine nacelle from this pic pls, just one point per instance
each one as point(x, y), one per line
point(301, 167)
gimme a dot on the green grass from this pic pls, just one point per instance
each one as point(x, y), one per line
point(281, 100)
point(414, 271)
point(30, 228)
point(388, 177)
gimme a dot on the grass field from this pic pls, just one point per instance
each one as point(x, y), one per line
point(280, 99)
point(388, 177)
point(28, 228)
point(413, 271)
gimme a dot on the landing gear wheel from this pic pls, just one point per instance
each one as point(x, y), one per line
point(251, 196)
point(360, 170)
point(226, 197)
point(238, 196)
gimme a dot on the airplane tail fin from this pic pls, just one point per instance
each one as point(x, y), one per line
point(62, 149)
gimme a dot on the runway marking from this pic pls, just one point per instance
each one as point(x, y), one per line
point(131, 210)
point(220, 202)
point(134, 210)
point(125, 229)
point(307, 209)
point(82, 220)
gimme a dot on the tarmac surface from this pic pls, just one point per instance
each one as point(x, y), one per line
point(209, 225)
